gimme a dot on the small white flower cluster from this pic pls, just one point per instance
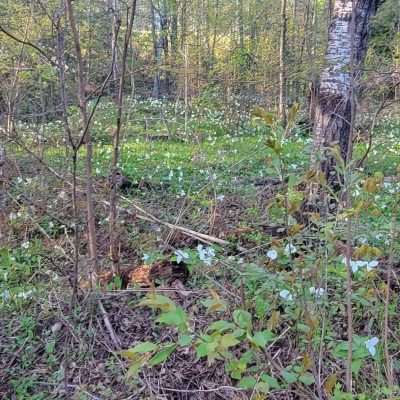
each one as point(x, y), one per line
point(181, 256)
point(206, 254)
point(358, 264)
point(317, 292)
point(290, 249)
point(371, 345)
point(6, 296)
point(272, 254)
point(25, 245)
point(286, 295)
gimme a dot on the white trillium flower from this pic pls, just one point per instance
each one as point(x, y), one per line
point(290, 249)
point(181, 255)
point(220, 197)
point(358, 264)
point(272, 254)
point(319, 292)
point(371, 345)
point(25, 295)
point(206, 254)
point(372, 264)
point(286, 295)
point(5, 295)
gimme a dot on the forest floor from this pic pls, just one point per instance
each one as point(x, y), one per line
point(259, 314)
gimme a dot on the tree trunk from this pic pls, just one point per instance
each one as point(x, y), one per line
point(347, 46)
point(114, 236)
point(158, 47)
point(91, 217)
point(2, 192)
point(282, 64)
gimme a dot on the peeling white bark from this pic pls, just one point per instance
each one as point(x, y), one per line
point(2, 190)
point(347, 46)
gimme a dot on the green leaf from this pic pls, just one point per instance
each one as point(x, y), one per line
point(206, 349)
point(272, 382)
point(247, 357)
point(134, 369)
point(221, 326)
point(162, 355)
point(236, 368)
point(239, 333)
point(248, 383)
point(307, 379)
point(341, 350)
point(289, 377)
point(356, 366)
point(262, 387)
point(141, 348)
point(185, 340)
point(228, 340)
point(157, 301)
point(214, 305)
point(242, 318)
point(176, 317)
point(261, 338)
point(261, 307)
point(137, 362)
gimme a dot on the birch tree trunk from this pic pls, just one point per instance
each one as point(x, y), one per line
point(2, 192)
point(282, 64)
point(347, 46)
point(156, 29)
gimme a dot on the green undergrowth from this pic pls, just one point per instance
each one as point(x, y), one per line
point(268, 310)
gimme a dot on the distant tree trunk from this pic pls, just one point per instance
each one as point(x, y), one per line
point(113, 10)
point(282, 64)
point(311, 50)
point(156, 29)
point(240, 21)
point(347, 46)
point(114, 236)
point(2, 192)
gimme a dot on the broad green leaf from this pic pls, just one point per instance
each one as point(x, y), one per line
point(185, 340)
point(248, 383)
point(272, 382)
point(341, 350)
point(228, 340)
point(242, 318)
point(247, 357)
point(262, 387)
point(157, 301)
point(289, 377)
point(356, 366)
point(261, 338)
point(221, 326)
point(307, 379)
point(162, 355)
point(141, 348)
point(137, 363)
point(176, 317)
point(207, 349)
point(239, 333)
point(237, 368)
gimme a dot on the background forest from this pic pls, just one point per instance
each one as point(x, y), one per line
point(199, 199)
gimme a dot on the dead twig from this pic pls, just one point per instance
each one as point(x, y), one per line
point(107, 323)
